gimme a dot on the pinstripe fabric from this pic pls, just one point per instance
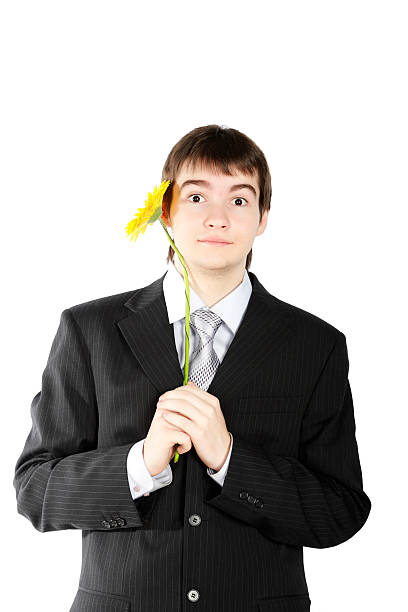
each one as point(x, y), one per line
point(293, 480)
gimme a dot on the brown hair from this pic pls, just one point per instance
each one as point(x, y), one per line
point(221, 148)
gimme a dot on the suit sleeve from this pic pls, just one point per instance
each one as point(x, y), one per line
point(62, 479)
point(316, 500)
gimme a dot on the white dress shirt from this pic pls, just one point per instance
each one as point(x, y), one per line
point(231, 310)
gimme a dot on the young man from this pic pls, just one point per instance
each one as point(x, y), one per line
point(266, 433)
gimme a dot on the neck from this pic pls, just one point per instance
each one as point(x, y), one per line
point(211, 285)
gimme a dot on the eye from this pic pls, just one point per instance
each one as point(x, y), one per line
point(198, 195)
point(239, 198)
point(195, 195)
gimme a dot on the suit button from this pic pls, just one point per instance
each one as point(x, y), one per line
point(251, 499)
point(194, 520)
point(105, 524)
point(113, 523)
point(193, 595)
point(243, 494)
point(259, 503)
point(121, 522)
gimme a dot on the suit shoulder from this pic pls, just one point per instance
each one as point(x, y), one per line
point(101, 306)
point(309, 322)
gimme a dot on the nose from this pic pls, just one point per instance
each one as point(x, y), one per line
point(216, 217)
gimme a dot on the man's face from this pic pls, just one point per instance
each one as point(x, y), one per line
point(214, 206)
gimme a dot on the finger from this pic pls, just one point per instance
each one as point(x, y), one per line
point(184, 408)
point(181, 422)
point(191, 389)
point(190, 402)
point(173, 427)
point(196, 391)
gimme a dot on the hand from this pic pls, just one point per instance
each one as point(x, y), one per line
point(198, 414)
point(158, 447)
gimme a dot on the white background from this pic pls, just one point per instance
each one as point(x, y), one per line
point(94, 95)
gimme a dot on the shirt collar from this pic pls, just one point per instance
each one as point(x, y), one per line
point(230, 308)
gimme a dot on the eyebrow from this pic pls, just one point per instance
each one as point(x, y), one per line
point(207, 184)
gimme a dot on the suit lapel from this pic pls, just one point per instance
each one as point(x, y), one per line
point(150, 336)
point(265, 327)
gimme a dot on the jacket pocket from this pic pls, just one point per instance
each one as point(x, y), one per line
point(87, 600)
point(291, 603)
point(273, 404)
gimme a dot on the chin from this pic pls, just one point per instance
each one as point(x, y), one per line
point(214, 264)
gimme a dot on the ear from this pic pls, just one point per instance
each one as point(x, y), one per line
point(262, 223)
point(165, 219)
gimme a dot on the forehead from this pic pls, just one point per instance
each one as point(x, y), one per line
point(216, 179)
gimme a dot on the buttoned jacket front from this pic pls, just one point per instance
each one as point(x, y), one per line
point(293, 480)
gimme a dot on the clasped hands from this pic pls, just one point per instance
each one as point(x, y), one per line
point(199, 415)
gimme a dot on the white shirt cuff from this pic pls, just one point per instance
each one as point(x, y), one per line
point(140, 480)
point(222, 472)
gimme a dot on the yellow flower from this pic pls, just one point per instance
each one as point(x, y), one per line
point(149, 214)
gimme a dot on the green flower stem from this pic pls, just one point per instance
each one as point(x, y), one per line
point(176, 456)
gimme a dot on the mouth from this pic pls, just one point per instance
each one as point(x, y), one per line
point(215, 242)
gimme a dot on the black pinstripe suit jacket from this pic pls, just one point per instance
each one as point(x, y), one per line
point(294, 477)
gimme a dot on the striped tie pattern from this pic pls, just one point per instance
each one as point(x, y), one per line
point(204, 360)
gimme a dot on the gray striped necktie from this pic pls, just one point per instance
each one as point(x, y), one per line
point(204, 360)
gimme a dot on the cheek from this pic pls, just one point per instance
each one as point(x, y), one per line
point(182, 225)
point(244, 229)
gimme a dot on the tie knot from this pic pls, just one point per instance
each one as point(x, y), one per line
point(205, 321)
